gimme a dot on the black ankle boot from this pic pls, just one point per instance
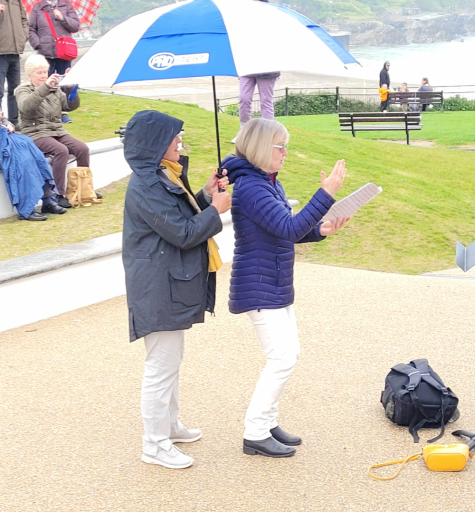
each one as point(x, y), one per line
point(284, 438)
point(269, 447)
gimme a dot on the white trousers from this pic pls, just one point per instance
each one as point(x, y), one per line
point(160, 394)
point(278, 336)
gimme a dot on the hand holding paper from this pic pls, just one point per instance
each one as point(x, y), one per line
point(333, 183)
point(331, 227)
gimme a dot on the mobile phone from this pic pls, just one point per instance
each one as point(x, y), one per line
point(61, 78)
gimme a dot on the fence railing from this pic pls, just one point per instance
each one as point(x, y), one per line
point(334, 99)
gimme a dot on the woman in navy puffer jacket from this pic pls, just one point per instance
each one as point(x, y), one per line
point(262, 273)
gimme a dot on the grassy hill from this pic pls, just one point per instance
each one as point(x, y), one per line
point(427, 204)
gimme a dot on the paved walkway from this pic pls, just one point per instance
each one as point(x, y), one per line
point(70, 419)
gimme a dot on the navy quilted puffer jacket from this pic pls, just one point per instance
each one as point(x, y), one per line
point(265, 233)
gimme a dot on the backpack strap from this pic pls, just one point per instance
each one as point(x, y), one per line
point(423, 366)
point(413, 373)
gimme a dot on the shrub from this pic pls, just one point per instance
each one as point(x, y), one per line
point(457, 103)
point(232, 110)
point(306, 104)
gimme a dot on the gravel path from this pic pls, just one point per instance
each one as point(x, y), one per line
point(70, 418)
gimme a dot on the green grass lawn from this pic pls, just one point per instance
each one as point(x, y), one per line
point(448, 129)
point(427, 204)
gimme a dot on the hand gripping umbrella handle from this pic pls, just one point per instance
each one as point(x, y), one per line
point(219, 175)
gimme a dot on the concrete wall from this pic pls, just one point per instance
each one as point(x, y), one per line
point(97, 262)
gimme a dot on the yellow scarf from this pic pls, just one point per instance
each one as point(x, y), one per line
point(173, 171)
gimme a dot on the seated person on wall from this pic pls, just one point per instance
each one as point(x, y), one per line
point(41, 102)
point(27, 175)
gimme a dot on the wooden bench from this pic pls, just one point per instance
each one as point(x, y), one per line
point(417, 98)
point(381, 122)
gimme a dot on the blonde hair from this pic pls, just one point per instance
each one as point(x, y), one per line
point(33, 62)
point(255, 140)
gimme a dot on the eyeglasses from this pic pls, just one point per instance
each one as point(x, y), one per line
point(280, 147)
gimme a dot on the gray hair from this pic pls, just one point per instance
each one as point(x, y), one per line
point(255, 140)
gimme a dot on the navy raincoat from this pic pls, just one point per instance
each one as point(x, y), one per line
point(165, 240)
point(25, 171)
point(265, 233)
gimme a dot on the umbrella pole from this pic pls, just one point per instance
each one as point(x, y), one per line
point(220, 175)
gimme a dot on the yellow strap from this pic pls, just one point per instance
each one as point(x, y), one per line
point(401, 461)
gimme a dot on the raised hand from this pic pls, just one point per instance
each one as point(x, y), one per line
point(333, 183)
point(52, 80)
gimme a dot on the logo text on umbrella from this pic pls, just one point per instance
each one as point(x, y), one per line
point(162, 61)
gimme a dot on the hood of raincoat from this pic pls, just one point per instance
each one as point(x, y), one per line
point(147, 137)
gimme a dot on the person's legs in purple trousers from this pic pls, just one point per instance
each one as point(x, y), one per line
point(266, 96)
point(247, 84)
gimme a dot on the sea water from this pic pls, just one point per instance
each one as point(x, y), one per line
point(444, 64)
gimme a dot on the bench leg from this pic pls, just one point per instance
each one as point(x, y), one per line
point(407, 137)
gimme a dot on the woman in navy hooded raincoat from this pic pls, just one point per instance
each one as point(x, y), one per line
point(170, 262)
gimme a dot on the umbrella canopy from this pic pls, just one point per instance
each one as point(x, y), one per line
point(210, 38)
point(86, 9)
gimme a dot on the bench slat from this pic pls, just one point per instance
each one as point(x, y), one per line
point(382, 128)
point(378, 115)
point(387, 120)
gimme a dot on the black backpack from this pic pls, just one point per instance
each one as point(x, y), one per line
point(415, 396)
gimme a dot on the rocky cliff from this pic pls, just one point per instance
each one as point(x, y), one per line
point(390, 30)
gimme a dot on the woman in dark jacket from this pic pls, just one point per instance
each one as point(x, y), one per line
point(170, 262)
point(384, 75)
point(65, 22)
point(262, 273)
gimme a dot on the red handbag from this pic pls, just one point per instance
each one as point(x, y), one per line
point(66, 47)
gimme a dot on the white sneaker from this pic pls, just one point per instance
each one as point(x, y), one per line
point(186, 435)
point(172, 458)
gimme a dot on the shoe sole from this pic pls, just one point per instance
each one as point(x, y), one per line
point(253, 451)
point(151, 460)
point(298, 443)
point(178, 440)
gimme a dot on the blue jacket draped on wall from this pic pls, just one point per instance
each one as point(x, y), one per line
point(25, 171)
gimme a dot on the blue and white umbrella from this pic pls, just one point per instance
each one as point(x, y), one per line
point(209, 38)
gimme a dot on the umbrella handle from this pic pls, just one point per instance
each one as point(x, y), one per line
point(219, 175)
point(220, 169)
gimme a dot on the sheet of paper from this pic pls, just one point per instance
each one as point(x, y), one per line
point(347, 206)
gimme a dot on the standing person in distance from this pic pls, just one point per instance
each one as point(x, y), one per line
point(262, 271)
point(170, 261)
point(13, 37)
point(265, 83)
point(65, 21)
point(384, 75)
